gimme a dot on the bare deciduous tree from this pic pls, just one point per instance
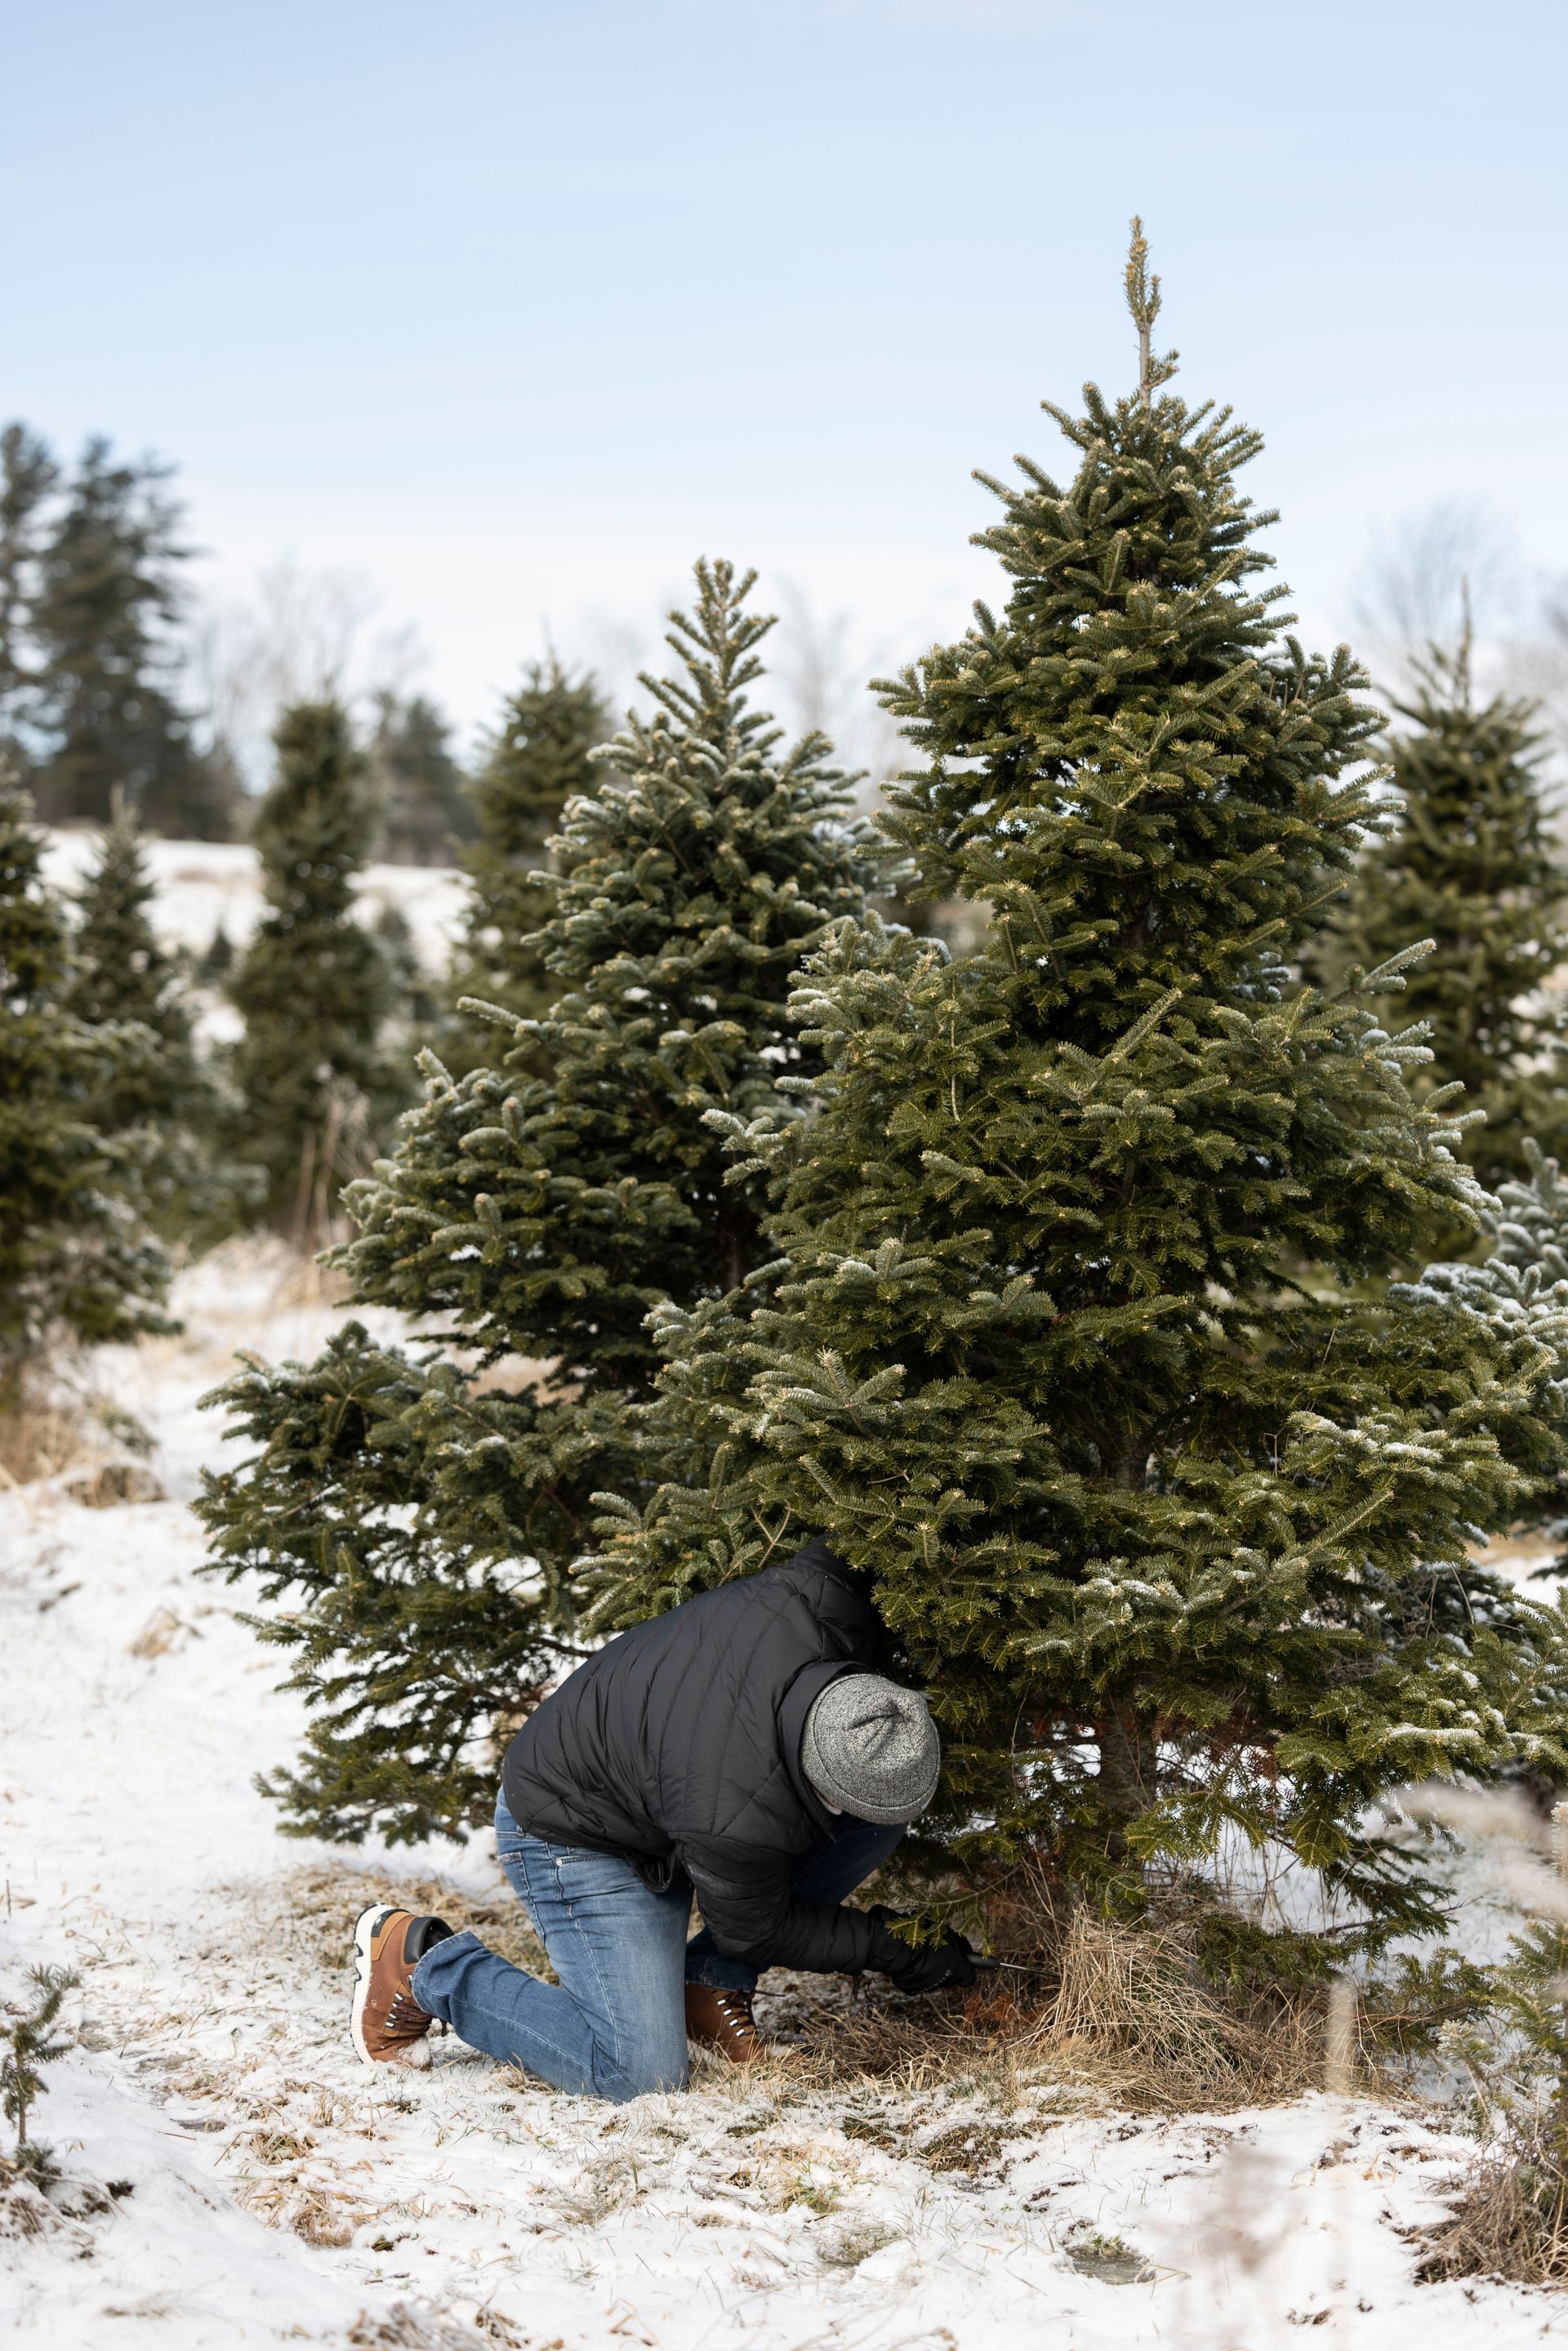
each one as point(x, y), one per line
point(822, 672)
point(1424, 571)
point(298, 635)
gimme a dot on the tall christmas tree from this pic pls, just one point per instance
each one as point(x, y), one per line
point(424, 1520)
point(313, 986)
point(155, 1096)
point(75, 1258)
point(1473, 863)
point(538, 758)
point(1069, 1336)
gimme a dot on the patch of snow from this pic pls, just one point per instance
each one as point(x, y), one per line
point(201, 884)
point(261, 2187)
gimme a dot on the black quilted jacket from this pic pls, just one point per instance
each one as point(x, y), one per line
point(679, 1746)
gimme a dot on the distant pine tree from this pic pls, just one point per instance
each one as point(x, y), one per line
point(426, 1519)
point(155, 1097)
point(417, 784)
point(317, 1093)
point(76, 1258)
point(217, 959)
point(1473, 862)
point(29, 477)
point(107, 593)
point(538, 760)
point(417, 1016)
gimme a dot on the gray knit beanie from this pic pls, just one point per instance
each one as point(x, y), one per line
point(871, 1748)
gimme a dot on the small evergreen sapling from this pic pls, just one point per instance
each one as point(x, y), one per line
point(25, 2048)
point(313, 986)
point(1071, 1335)
point(424, 1520)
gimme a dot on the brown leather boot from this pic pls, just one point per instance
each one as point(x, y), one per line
point(387, 2022)
point(723, 2021)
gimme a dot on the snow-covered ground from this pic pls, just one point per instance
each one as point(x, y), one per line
point(261, 2187)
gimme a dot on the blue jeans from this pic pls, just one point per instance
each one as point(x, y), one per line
point(614, 2025)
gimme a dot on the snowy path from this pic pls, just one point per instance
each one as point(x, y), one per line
point(270, 2191)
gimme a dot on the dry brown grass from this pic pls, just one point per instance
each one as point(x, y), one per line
point(25, 2209)
point(1129, 2016)
point(1510, 2218)
point(321, 1904)
point(40, 1438)
point(165, 1630)
point(52, 1418)
point(1120, 2016)
point(315, 2212)
point(303, 1280)
point(275, 2147)
point(406, 2326)
point(1521, 1546)
point(113, 1484)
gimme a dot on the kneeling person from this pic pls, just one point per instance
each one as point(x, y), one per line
point(742, 1748)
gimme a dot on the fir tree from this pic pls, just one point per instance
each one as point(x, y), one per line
point(1521, 1285)
point(75, 1257)
point(425, 813)
point(1070, 1336)
point(538, 758)
point(1472, 864)
point(29, 477)
point(418, 1012)
point(217, 958)
point(313, 986)
point(424, 1520)
point(154, 1097)
point(108, 593)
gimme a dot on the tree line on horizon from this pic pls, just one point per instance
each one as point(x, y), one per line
point(95, 704)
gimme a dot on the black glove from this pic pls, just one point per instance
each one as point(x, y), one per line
point(920, 1967)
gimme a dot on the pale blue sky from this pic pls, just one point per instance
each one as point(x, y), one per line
point(517, 307)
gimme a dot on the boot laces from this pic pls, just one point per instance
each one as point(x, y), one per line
point(405, 2016)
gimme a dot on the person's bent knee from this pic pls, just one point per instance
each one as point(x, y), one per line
point(637, 2078)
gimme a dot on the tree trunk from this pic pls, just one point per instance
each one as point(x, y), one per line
point(1129, 1766)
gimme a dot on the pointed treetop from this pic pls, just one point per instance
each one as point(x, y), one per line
point(715, 645)
point(1467, 641)
point(1143, 302)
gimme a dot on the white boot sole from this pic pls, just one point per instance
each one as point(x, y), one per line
point(365, 1925)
